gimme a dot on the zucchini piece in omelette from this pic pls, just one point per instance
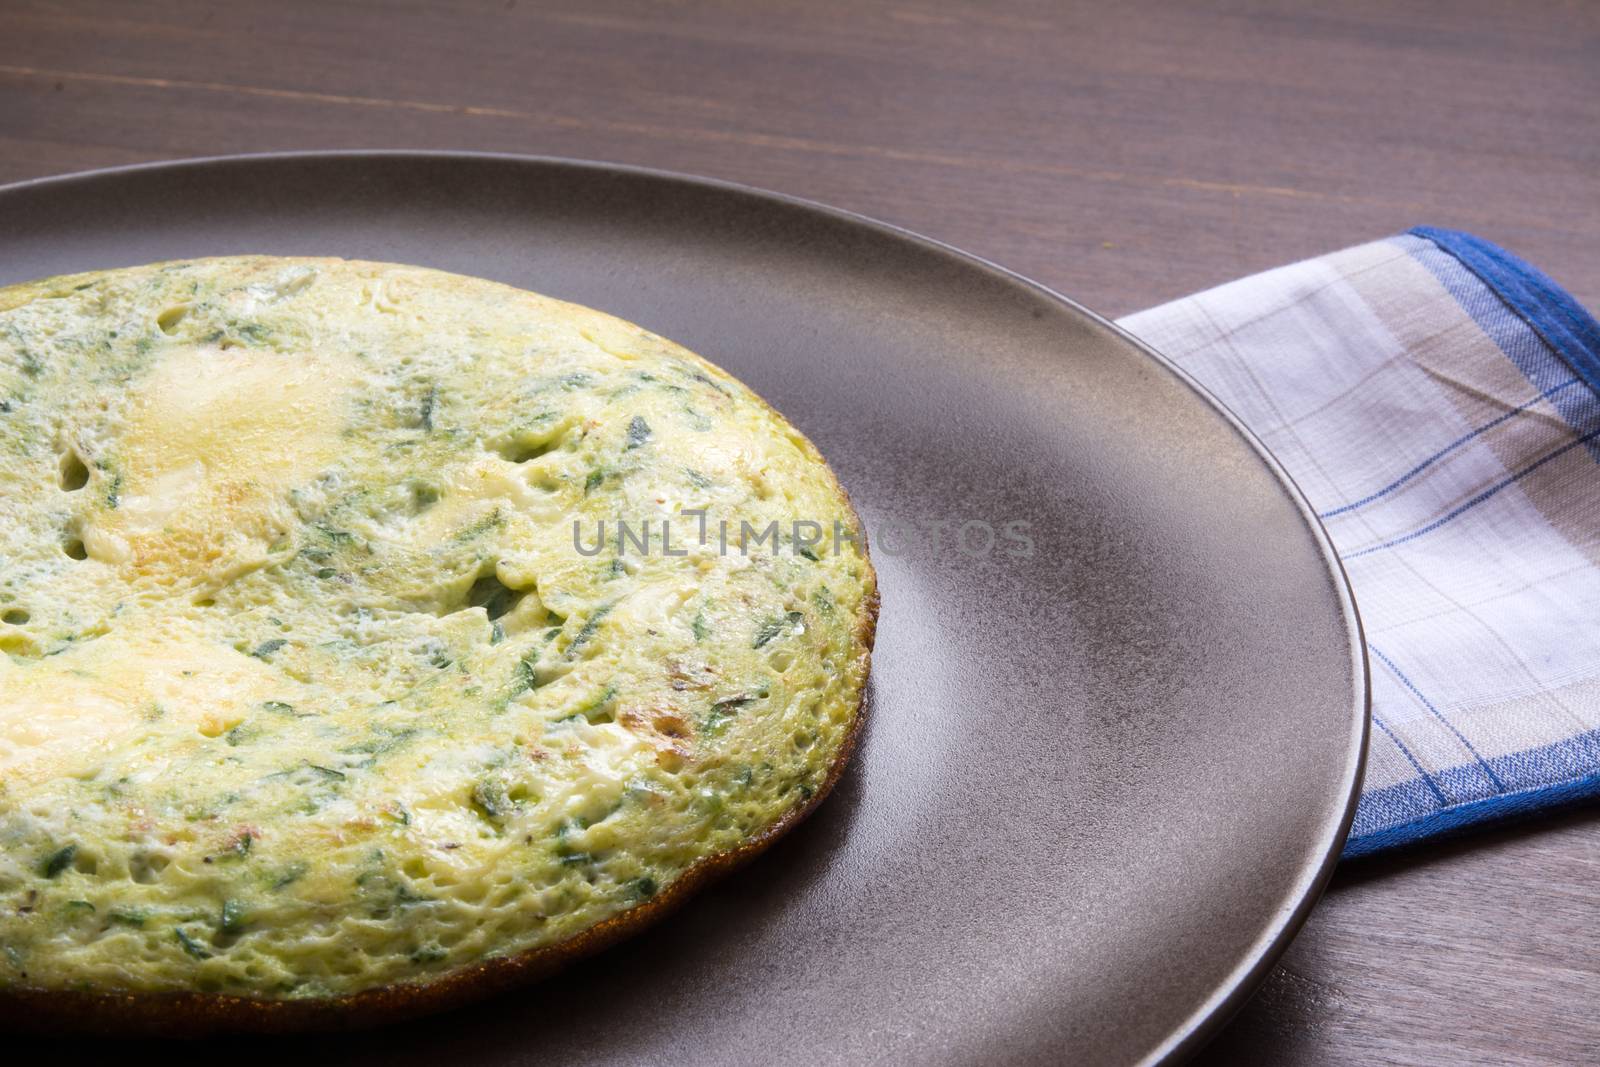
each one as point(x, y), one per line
point(323, 697)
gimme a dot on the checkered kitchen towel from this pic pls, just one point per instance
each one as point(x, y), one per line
point(1438, 401)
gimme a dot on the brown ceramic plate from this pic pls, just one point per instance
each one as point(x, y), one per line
point(1102, 782)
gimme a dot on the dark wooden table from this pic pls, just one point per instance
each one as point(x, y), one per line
point(1123, 154)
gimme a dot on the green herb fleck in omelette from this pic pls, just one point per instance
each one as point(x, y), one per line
point(329, 659)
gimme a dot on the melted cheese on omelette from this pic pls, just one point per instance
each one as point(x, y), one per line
point(324, 662)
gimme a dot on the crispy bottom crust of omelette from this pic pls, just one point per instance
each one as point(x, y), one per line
point(190, 1014)
point(196, 1015)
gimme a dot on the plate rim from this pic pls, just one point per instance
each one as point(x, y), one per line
point(1247, 974)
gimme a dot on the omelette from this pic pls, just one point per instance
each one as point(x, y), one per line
point(372, 637)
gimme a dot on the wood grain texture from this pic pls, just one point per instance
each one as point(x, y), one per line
point(1124, 154)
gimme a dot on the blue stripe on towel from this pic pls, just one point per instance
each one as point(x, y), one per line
point(1471, 435)
point(1564, 323)
point(1528, 776)
point(1513, 316)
